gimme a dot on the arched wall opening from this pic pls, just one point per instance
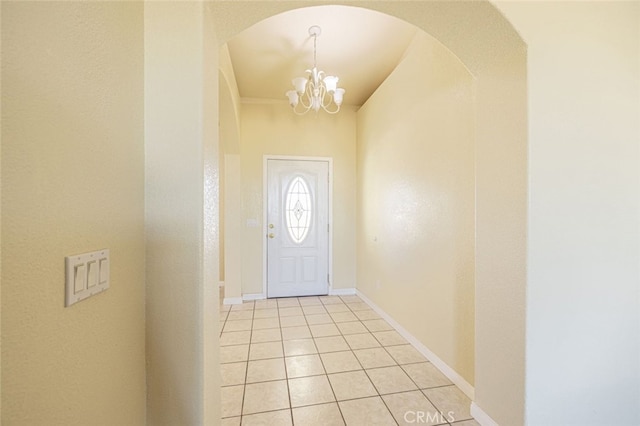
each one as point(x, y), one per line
point(496, 56)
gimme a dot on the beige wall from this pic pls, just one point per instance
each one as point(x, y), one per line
point(416, 201)
point(181, 195)
point(274, 129)
point(583, 324)
point(73, 181)
point(230, 173)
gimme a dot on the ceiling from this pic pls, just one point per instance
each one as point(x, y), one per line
point(360, 46)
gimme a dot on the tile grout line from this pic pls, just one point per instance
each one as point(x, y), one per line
point(371, 381)
point(343, 336)
point(286, 372)
point(327, 374)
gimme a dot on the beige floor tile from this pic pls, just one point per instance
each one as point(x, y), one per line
point(271, 418)
point(240, 315)
point(299, 347)
point(314, 310)
point(288, 302)
point(265, 313)
point(331, 344)
point(293, 321)
point(319, 319)
point(265, 350)
point(466, 423)
point(263, 323)
point(266, 335)
point(355, 327)
point(237, 325)
point(323, 330)
point(366, 412)
point(243, 306)
point(235, 338)
point(352, 298)
point(338, 362)
point(310, 390)
point(267, 396)
point(374, 358)
point(338, 307)
point(410, 408)
point(235, 353)
point(230, 421)
point(389, 338)
point(233, 374)
point(304, 365)
point(309, 301)
point(405, 354)
point(224, 308)
point(343, 316)
point(358, 306)
point(450, 398)
point(426, 375)
point(290, 311)
point(231, 400)
point(367, 314)
point(361, 341)
point(266, 304)
point(295, 333)
point(318, 415)
point(223, 315)
point(377, 325)
point(390, 380)
point(330, 300)
point(265, 370)
point(352, 385)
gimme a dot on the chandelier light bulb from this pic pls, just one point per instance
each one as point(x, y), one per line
point(316, 90)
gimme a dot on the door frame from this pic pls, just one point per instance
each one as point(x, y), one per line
point(265, 196)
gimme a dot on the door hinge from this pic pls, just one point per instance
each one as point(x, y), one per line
point(327, 227)
point(328, 279)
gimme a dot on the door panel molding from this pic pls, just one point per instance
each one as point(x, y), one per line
point(265, 224)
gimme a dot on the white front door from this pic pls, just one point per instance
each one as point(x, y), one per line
point(297, 227)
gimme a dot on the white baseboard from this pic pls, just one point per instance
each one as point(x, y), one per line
point(481, 417)
point(232, 301)
point(342, 291)
point(433, 358)
point(253, 296)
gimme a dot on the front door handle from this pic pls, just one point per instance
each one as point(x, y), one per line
point(272, 235)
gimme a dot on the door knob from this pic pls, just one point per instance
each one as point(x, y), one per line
point(272, 235)
point(271, 226)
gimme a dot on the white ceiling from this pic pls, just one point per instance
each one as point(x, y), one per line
point(360, 46)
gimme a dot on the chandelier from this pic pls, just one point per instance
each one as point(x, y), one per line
point(316, 90)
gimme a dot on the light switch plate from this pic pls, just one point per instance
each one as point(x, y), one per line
point(86, 274)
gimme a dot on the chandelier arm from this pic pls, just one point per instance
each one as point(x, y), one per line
point(327, 110)
point(303, 112)
point(306, 95)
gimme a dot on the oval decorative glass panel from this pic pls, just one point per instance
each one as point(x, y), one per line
point(298, 209)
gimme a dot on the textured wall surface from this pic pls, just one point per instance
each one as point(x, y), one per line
point(416, 201)
point(181, 217)
point(583, 300)
point(73, 181)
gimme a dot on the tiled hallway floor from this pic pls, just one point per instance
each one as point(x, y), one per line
point(327, 360)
